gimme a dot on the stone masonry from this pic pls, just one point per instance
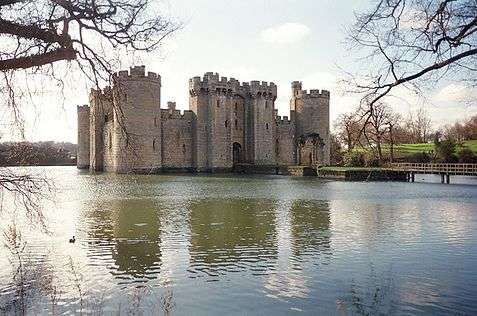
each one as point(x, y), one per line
point(125, 130)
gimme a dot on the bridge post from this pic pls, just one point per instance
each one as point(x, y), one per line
point(412, 176)
point(442, 178)
point(448, 178)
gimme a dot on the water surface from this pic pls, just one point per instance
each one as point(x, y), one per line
point(252, 245)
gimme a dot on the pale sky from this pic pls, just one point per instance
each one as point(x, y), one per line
point(266, 40)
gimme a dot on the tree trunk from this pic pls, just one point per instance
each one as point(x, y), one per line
point(391, 149)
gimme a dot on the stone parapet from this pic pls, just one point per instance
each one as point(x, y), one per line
point(137, 72)
point(213, 83)
point(314, 94)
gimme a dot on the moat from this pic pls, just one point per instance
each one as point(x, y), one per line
point(273, 245)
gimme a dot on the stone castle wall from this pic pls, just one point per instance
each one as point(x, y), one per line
point(83, 137)
point(177, 139)
point(312, 116)
point(138, 96)
point(228, 123)
point(285, 141)
point(263, 113)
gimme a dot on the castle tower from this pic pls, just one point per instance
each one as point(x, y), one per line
point(262, 109)
point(82, 155)
point(213, 99)
point(136, 133)
point(100, 103)
point(199, 103)
point(312, 116)
point(235, 122)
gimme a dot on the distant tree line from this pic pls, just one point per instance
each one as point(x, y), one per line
point(373, 142)
point(37, 153)
point(461, 130)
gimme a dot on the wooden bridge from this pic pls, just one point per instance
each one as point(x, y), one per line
point(444, 169)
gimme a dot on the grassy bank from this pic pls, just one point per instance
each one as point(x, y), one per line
point(340, 169)
point(409, 149)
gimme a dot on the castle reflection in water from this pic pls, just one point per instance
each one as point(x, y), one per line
point(147, 239)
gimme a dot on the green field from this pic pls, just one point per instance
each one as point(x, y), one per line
point(409, 149)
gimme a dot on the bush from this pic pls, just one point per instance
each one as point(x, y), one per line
point(421, 157)
point(451, 159)
point(446, 151)
point(467, 156)
point(354, 159)
point(371, 160)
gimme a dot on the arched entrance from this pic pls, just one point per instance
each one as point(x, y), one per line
point(310, 150)
point(237, 153)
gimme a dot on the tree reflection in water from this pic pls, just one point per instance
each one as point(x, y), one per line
point(231, 236)
point(130, 229)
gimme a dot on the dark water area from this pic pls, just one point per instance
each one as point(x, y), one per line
point(254, 245)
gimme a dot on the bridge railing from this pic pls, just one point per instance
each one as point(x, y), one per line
point(447, 168)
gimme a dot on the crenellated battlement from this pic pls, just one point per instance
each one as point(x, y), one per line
point(83, 108)
point(283, 120)
point(101, 94)
point(171, 106)
point(137, 72)
point(173, 114)
point(314, 94)
point(213, 83)
point(263, 88)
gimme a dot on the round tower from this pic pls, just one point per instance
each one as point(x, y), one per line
point(137, 121)
point(312, 117)
point(82, 151)
point(312, 112)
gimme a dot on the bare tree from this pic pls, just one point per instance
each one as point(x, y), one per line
point(28, 191)
point(418, 126)
point(377, 128)
point(393, 122)
point(461, 130)
point(422, 125)
point(43, 32)
point(348, 127)
point(412, 44)
point(41, 37)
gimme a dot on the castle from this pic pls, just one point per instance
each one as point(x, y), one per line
point(125, 130)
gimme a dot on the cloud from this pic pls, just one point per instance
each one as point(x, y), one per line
point(454, 92)
point(286, 33)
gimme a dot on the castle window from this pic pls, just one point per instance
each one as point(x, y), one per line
point(226, 123)
point(218, 103)
point(236, 124)
point(266, 125)
point(110, 141)
point(154, 144)
point(155, 121)
point(106, 118)
point(266, 104)
point(183, 148)
point(126, 97)
point(235, 108)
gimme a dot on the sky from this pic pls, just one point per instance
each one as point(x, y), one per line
point(277, 41)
